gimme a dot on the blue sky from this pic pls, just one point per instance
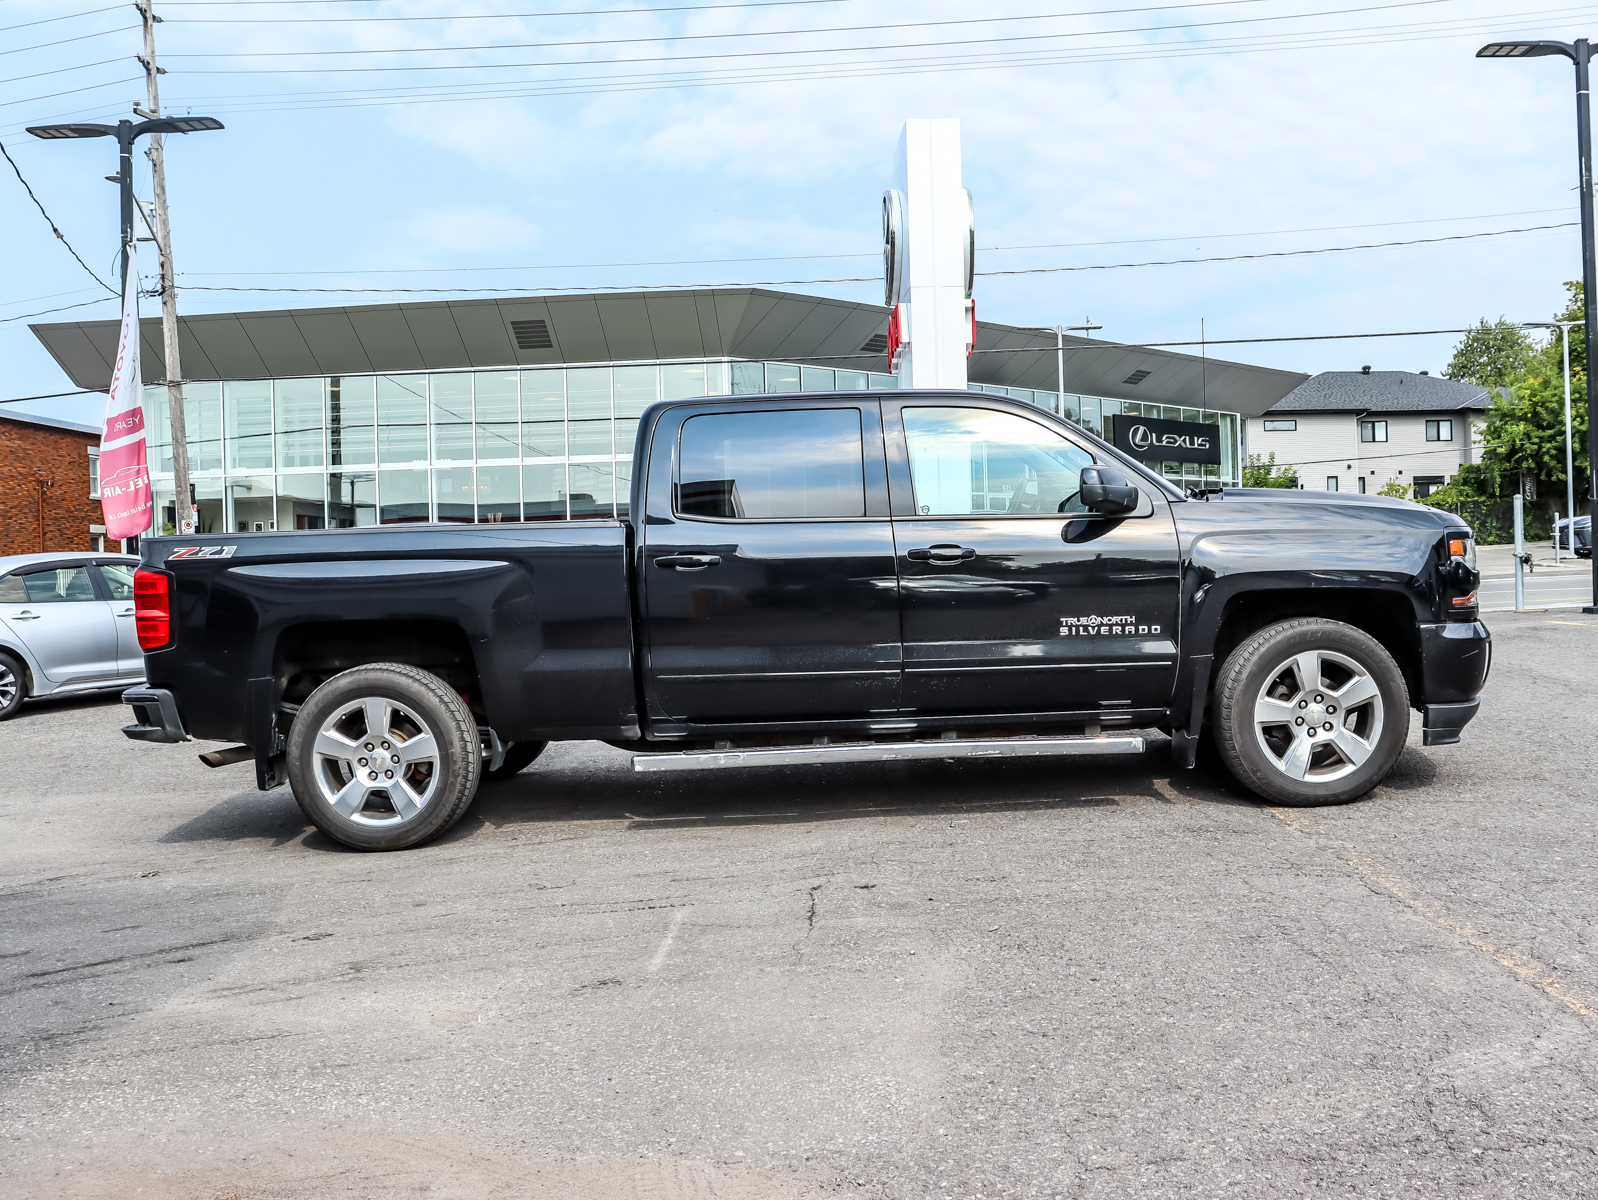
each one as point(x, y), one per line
point(765, 132)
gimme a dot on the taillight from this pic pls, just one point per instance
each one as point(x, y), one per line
point(152, 609)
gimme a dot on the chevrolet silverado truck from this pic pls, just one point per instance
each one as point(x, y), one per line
point(821, 578)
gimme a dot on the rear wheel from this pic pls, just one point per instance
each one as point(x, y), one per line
point(384, 756)
point(1310, 712)
point(13, 685)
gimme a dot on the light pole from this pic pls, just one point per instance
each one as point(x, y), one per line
point(1578, 52)
point(1570, 473)
point(126, 133)
point(1059, 332)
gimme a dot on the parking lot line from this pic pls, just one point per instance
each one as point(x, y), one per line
point(1528, 968)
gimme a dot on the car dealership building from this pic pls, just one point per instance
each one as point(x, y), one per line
point(526, 408)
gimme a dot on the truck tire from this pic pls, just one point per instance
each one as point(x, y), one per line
point(1310, 712)
point(518, 757)
point(384, 756)
point(13, 686)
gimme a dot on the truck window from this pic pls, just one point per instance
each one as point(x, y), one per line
point(786, 464)
point(968, 461)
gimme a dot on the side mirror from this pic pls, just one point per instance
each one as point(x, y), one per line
point(1109, 492)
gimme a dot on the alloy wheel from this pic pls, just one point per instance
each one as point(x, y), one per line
point(1318, 716)
point(376, 761)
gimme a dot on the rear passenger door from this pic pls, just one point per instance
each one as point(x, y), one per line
point(117, 580)
point(767, 584)
point(56, 614)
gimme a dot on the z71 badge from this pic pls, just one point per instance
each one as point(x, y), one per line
point(202, 552)
point(1097, 626)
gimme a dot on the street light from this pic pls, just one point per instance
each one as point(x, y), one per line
point(1570, 473)
point(1578, 52)
point(126, 133)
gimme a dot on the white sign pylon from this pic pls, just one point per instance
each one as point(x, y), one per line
point(930, 257)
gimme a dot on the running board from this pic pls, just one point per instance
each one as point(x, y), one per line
point(853, 752)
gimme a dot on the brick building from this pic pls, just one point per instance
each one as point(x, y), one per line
point(49, 486)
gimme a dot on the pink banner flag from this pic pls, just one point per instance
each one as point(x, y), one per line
point(124, 464)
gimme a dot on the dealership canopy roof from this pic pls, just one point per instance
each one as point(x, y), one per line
point(742, 323)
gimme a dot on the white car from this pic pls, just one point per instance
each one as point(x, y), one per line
point(66, 625)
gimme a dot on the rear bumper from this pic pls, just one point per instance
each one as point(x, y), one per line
point(155, 712)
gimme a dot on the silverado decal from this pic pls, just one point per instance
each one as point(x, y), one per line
point(1097, 626)
point(202, 552)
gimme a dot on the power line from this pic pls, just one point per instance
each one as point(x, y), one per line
point(592, 12)
point(695, 262)
point(1172, 262)
point(727, 77)
point(52, 224)
point(82, 37)
point(52, 396)
point(69, 92)
point(63, 308)
point(64, 17)
point(865, 278)
point(63, 70)
point(1028, 37)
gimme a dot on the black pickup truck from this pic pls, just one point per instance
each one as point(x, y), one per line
point(831, 577)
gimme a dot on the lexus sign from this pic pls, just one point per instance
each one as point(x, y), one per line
point(1166, 441)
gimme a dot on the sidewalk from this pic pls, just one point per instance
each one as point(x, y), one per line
point(1498, 562)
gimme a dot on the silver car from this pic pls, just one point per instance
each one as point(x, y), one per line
point(66, 625)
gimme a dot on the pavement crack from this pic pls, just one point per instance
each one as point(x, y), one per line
point(810, 917)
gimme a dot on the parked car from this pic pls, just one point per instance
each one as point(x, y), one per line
point(822, 578)
point(66, 625)
point(1583, 536)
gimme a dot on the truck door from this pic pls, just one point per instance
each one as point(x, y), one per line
point(766, 573)
point(1014, 597)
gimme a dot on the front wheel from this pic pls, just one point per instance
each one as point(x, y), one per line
point(1310, 711)
point(384, 756)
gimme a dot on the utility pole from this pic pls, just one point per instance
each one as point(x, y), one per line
point(182, 506)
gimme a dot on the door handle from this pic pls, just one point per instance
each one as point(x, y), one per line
point(126, 613)
point(27, 616)
point(688, 562)
point(941, 554)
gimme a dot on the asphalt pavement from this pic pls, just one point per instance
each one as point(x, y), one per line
point(982, 979)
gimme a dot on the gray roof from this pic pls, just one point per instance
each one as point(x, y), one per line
point(1382, 391)
point(741, 323)
point(13, 562)
point(53, 422)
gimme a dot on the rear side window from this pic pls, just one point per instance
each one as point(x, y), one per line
point(782, 465)
point(54, 586)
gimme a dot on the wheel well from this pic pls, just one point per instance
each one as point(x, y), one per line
point(1387, 618)
point(309, 655)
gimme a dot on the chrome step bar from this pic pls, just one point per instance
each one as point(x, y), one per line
point(854, 752)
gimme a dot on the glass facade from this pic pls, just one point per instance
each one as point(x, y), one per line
point(1090, 411)
point(537, 444)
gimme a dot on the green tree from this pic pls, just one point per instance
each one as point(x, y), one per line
point(1264, 473)
point(1525, 424)
point(1394, 489)
point(1493, 354)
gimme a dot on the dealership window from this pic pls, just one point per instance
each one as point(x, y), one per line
point(1331, 483)
point(1280, 426)
point(1373, 431)
point(94, 472)
point(1439, 431)
point(772, 465)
